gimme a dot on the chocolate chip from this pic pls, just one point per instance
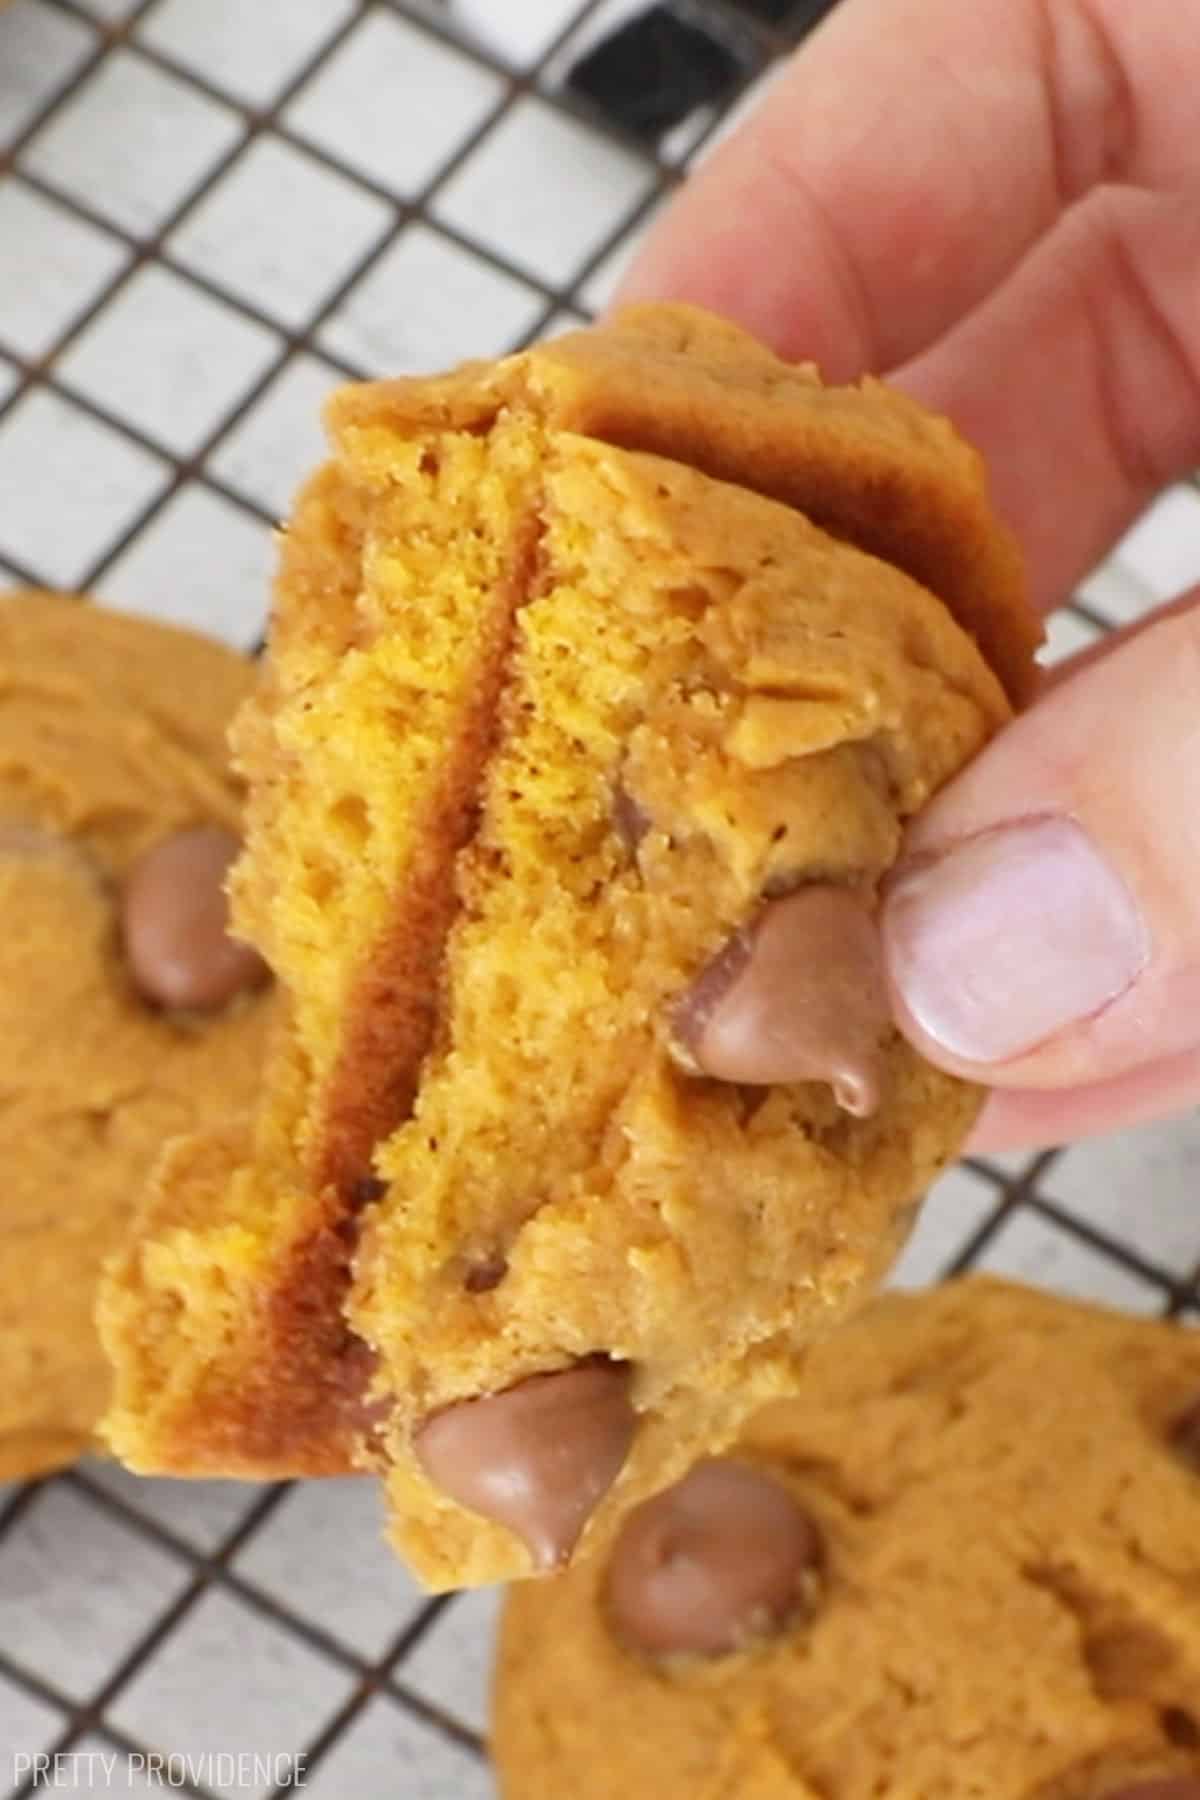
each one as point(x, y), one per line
point(175, 920)
point(1181, 1789)
point(537, 1457)
point(693, 1011)
point(1184, 1436)
point(1179, 1727)
point(481, 1277)
point(366, 1191)
point(800, 995)
point(722, 1558)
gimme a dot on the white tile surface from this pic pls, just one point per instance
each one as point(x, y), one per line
point(1162, 551)
point(133, 142)
point(280, 440)
point(566, 319)
point(518, 34)
point(1140, 1187)
point(26, 1726)
point(280, 230)
point(1028, 1248)
point(78, 1590)
point(201, 562)
point(97, 1768)
point(386, 1752)
point(325, 1558)
point(40, 49)
point(394, 102)
point(251, 51)
point(230, 1682)
point(201, 1513)
point(1012, 1164)
point(1116, 593)
point(110, 12)
point(106, 478)
point(74, 263)
point(168, 358)
point(543, 190)
point(427, 304)
point(1067, 632)
point(600, 288)
point(451, 1665)
point(954, 1208)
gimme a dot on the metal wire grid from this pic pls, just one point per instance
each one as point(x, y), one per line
point(1029, 1190)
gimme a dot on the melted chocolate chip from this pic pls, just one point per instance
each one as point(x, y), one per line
point(798, 996)
point(482, 1277)
point(366, 1191)
point(537, 1457)
point(722, 1558)
point(1184, 1436)
point(175, 924)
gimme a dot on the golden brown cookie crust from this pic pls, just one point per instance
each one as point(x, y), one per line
point(1011, 1558)
point(112, 736)
point(589, 615)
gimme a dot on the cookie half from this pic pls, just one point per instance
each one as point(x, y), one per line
point(576, 658)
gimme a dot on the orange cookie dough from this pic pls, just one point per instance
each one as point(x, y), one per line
point(112, 756)
point(576, 657)
point(962, 1565)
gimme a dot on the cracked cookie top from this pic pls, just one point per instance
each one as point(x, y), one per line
point(965, 1563)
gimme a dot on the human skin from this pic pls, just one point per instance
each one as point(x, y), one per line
point(998, 207)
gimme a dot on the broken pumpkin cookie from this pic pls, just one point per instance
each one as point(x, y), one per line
point(578, 661)
point(127, 1013)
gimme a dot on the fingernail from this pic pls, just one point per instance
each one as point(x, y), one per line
point(1005, 939)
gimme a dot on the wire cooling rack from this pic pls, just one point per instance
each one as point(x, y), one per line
point(211, 211)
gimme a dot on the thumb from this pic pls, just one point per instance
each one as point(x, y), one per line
point(1043, 929)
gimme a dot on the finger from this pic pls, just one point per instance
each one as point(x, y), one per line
point(909, 158)
point(1044, 929)
point(1080, 379)
point(1032, 1119)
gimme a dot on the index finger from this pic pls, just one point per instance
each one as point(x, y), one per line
point(910, 156)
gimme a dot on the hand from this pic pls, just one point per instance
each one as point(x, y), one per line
point(998, 205)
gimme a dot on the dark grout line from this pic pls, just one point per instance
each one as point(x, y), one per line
point(88, 1715)
point(1126, 1255)
point(153, 249)
point(1090, 614)
point(39, 1689)
point(1013, 1194)
point(188, 467)
point(25, 575)
point(18, 1504)
point(374, 1681)
point(215, 1571)
point(109, 36)
point(80, 209)
point(404, 214)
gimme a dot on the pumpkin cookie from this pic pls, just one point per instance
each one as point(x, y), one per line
point(576, 658)
point(962, 1566)
point(126, 1013)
